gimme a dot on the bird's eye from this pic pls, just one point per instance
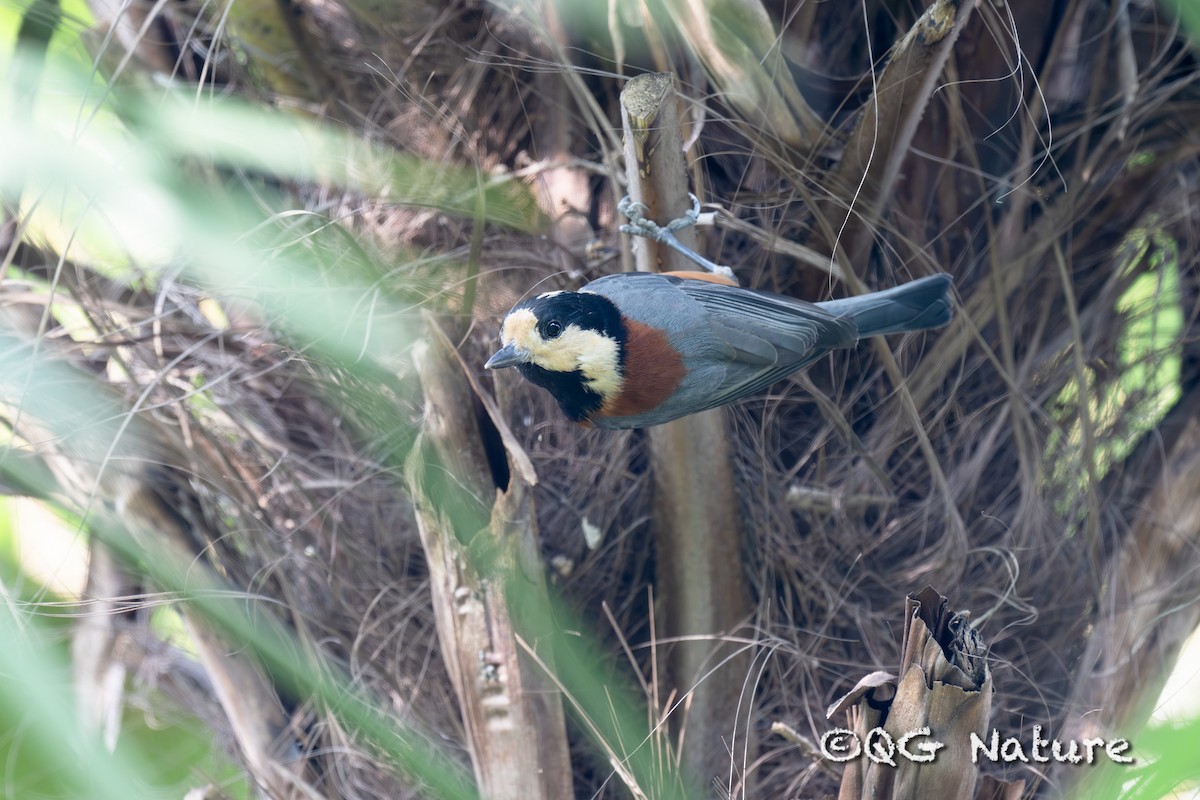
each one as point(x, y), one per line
point(552, 329)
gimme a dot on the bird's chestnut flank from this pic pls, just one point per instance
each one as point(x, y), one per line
point(639, 349)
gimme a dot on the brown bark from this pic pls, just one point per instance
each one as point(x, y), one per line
point(1141, 623)
point(864, 179)
point(477, 539)
point(736, 41)
point(698, 528)
point(944, 686)
point(98, 673)
point(246, 694)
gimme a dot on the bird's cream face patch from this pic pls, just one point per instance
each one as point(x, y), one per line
point(593, 354)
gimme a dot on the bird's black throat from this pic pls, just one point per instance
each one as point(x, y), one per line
point(570, 389)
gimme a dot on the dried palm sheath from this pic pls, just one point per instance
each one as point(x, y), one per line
point(944, 686)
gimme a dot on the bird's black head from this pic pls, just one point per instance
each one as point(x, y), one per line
point(569, 343)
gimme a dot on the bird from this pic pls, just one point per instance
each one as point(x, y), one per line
point(637, 349)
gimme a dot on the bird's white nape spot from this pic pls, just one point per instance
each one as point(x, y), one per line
point(545, 295)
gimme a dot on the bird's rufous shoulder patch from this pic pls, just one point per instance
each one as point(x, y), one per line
point(708, 277)
point(652, 371)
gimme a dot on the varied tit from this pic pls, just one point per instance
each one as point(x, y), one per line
point(640, 348)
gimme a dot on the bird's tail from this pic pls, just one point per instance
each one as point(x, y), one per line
point(914, 306)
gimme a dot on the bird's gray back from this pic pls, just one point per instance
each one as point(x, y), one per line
point(733, 341)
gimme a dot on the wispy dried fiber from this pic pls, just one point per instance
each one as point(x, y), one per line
point(1014, 460)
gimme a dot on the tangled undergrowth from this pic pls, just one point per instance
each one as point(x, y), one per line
point(1053, 174)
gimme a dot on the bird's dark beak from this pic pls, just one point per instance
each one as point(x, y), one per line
point(508, 356)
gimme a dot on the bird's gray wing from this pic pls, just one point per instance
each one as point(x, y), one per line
point(766, 337)
point(734, 341)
